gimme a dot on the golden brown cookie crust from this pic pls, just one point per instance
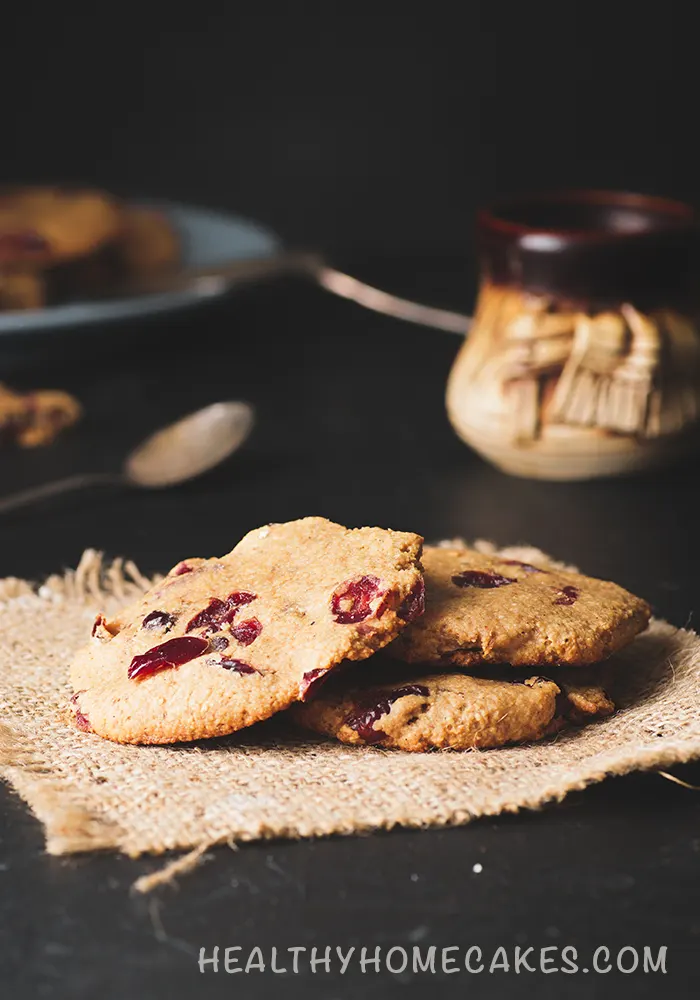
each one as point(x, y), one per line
point(148, 243)
point(418, 712)
point(489, 609)
point(21, 290)
point(41, 227)
point(289, 603)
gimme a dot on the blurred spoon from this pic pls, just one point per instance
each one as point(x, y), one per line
point(208, 281)
point(173, 455)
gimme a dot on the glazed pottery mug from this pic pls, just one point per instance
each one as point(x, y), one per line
point(583, 359)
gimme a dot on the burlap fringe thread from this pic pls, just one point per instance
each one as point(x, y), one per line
point(272, 781)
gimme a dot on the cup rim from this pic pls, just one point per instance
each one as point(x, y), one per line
point(494, 218)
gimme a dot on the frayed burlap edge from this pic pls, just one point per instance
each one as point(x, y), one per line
point(69, 827)
point(272, 782)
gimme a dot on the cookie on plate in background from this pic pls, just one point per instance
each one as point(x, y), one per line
point(148, 243)
point(21, 290)
point(43, 227)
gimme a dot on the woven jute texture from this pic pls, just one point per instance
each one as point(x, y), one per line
point(273, 781)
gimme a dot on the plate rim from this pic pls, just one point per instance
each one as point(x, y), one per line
point(86, 312)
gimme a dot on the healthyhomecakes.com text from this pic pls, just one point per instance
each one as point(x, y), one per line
point(398, 960)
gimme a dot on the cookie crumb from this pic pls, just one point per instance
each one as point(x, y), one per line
point(33, 419)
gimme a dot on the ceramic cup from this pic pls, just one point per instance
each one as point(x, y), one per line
point(584, 356)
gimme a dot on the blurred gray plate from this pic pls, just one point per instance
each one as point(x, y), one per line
point(208, 239)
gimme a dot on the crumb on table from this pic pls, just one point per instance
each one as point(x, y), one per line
point(32, 419)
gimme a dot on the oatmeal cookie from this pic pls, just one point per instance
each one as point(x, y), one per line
point(41, 227)
point(489, 609)
point(219, 644)
point(418, 711)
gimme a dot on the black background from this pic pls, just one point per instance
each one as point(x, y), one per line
point(369, 126)
point(373, 133)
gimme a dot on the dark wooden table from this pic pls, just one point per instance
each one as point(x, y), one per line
point(351, 426)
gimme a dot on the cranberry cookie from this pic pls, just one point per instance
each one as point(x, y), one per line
point(449, 710)
point(41, 227)
point(222, 643)
point(488, 609)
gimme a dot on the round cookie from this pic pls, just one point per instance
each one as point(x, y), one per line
point(219, 644)
point(490, 609)
point(454, 711)
point(41, 227)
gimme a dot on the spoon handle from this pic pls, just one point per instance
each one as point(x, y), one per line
point(26, 497)
point(375, 299)
point(208, 281)
point(312, 265)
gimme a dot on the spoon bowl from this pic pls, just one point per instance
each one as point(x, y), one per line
point(179, 452)
point(190, 447)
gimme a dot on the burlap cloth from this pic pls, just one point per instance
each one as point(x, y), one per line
point(272, 781)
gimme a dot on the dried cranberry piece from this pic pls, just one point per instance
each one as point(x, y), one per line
point(351, 602)
point(100, 620)
point(211, 615)
point(528, 567)
point(240, 597)
point(413, 605)
point(238, 666)
point(159, 619)
point(247, 631)
point(219, 642)
point(381, 608)
point(371, 709)
point(22, 242)
point(310, 681)
point(477, 578)
point(81, 720)
point(218, 612)
point(568, 595)
point(181, 569)
point(168, 654)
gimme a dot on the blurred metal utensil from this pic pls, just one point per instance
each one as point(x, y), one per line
point(173, 455)
point(215, 280)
